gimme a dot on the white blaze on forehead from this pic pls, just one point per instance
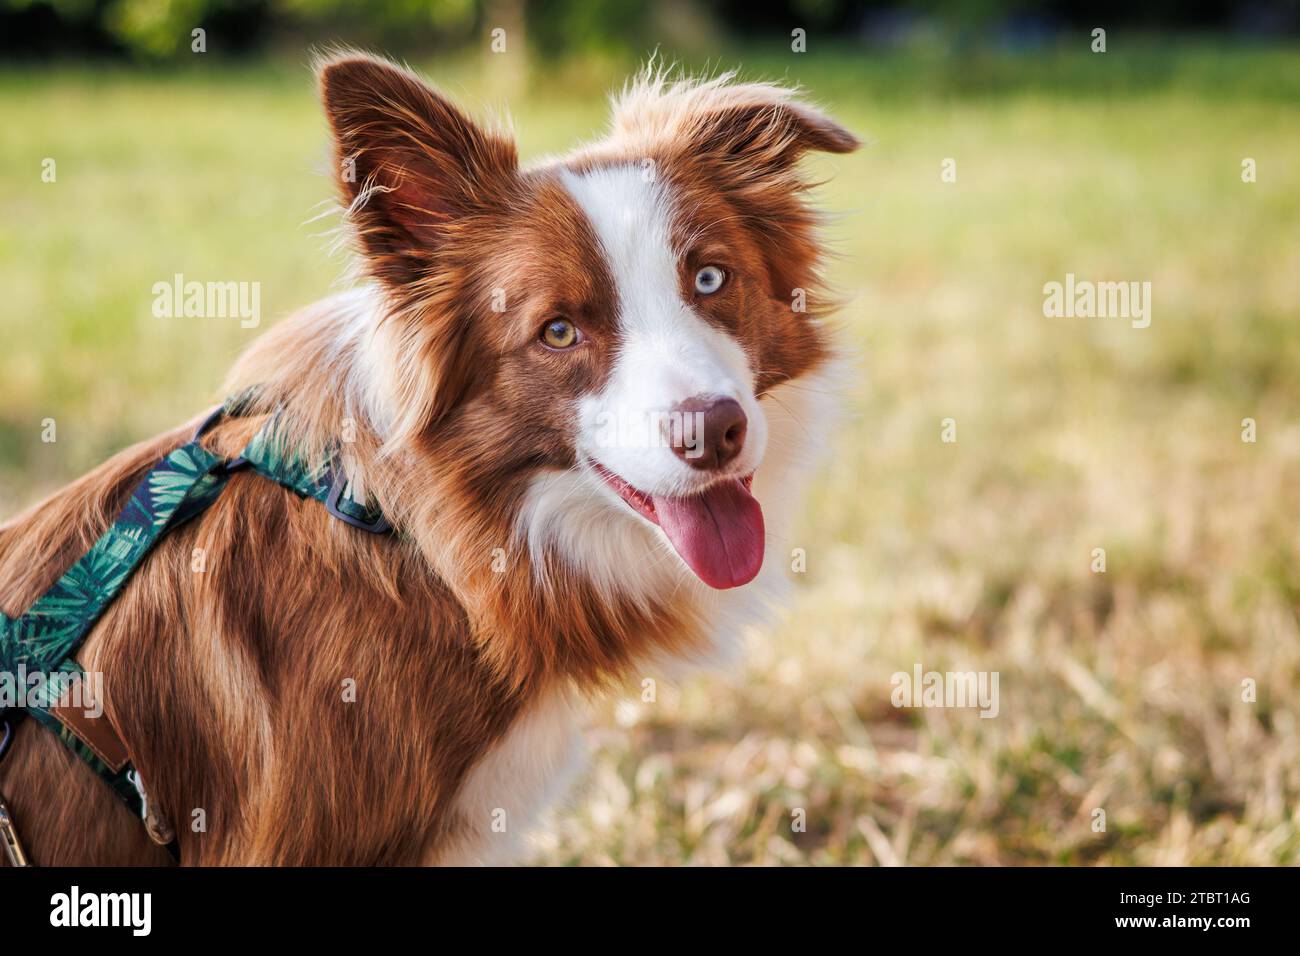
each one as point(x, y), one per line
point(632, 219)
point(666, 352)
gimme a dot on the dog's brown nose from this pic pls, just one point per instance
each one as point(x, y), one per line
point(707, 432)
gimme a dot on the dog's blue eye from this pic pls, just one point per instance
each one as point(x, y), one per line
point(709, 280)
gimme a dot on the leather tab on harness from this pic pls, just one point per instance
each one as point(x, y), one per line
point(97, 733)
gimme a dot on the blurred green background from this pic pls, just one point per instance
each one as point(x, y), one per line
point(1120, 690)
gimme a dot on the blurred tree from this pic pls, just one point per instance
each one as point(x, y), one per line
point(558, 26)
point(158, 29)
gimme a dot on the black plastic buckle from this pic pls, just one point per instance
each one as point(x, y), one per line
point(379, 526)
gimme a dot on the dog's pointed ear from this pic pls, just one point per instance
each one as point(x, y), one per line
point(744, 141)
point(410, 165)
point(764, 129)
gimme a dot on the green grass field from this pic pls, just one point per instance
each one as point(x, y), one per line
point(1120, 691)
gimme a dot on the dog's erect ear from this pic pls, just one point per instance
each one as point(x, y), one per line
point(743, 140)
point(756, 130)
point(410, 165)
point(767, 132)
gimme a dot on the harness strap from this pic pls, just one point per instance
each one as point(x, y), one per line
point(44, 640)
point(266, 455)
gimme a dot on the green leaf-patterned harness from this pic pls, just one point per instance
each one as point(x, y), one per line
point(45, 639)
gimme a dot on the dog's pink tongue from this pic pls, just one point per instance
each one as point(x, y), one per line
point(719, 533)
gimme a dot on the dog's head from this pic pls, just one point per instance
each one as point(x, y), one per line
point(606, 328)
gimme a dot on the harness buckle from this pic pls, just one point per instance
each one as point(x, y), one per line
point(378, 526)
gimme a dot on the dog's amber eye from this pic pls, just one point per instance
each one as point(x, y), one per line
point(709, 280)
point(559, 334)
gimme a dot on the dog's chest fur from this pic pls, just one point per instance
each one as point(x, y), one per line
point(512, 783)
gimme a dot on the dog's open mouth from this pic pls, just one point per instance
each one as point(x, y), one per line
point(718, 532)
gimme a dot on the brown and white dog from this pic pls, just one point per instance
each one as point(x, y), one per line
point(585, 393)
